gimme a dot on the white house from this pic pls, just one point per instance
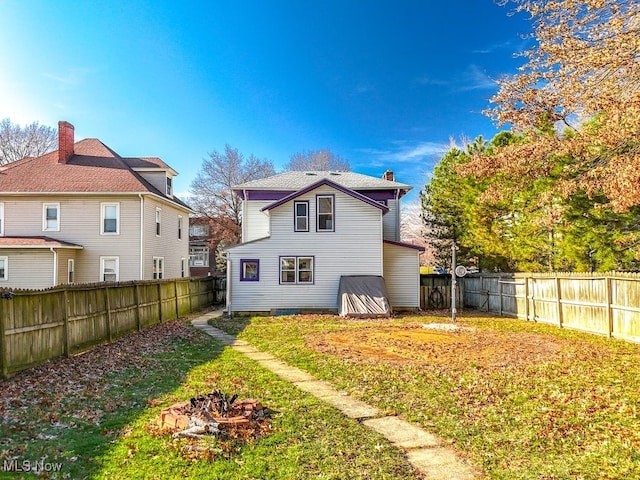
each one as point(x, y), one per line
point(85, 214)
point(302, 231)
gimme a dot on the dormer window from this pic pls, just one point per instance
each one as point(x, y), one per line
point(169, 186)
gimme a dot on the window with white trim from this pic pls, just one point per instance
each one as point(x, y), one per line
point(296, 270)
point(158, 267)
point(301, 216)
point(325, 213)
point(4, 269)
point(183, 267)
point(109, 218)
point(71, 270)
point(50, 217)
point(158, 218)
point(179, 227)
point(1, 218)
point(109, 269)
point(198, 256)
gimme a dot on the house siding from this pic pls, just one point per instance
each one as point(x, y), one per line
point(167, 245)
point(255, 222)
point(354, 248)
point(28, 268)
point(401, 275)
point(80, 224)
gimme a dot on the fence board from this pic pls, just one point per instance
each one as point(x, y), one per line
point(36, 326)
point(605, 304)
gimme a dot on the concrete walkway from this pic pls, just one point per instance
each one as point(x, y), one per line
point(425, 451)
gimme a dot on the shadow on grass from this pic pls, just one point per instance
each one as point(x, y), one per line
point(62, 417)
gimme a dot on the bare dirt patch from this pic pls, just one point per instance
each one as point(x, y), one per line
point(433, 346)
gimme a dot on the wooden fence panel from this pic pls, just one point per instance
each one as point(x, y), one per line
point(149, 299)
point(36, 332)
point(123, 308)
point(86, 318)
point(36, 326)
point(605, 304)
point(625, 308)
point(183, 299)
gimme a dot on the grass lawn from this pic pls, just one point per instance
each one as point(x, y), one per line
point(94, 416)
point(522, 400)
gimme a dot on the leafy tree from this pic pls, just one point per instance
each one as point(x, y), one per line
point(211, 190)
point(18, 142)
point(319, 160)
point(583, 74)
point(445, 208)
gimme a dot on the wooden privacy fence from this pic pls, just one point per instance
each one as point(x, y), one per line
point(435, 292)
point(37, 325)
point(607, 304)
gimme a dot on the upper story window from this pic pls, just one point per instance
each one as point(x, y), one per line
point(198, 230)
point(158, 218)
point(325, 213)
point(179, 227)
point(301, 216)
point(169, 186)
point(110, 218)
point(51, 217)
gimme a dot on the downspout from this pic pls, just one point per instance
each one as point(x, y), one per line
point(229, 277)
point(55, 266)
point(242, 222)
point(141, 236)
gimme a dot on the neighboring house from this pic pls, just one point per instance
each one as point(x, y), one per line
point(301, 231)
point(85, 214)
point(201, 258)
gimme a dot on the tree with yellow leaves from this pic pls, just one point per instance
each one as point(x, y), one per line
point(583, 78)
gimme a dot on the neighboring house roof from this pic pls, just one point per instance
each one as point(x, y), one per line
point(326, 181)
point(93, 168)
point(297, 180)
point(35, 242)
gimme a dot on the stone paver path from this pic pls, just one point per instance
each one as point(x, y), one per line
point(424, 450)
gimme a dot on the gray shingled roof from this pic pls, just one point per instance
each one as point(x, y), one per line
point(297, 180)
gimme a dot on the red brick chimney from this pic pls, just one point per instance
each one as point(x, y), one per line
point(65, 141)
point(388, 175)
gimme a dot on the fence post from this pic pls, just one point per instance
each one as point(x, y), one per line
point(136, 298)
point(559, 303)
point(500, 294)
point(175, 290)
point(65, 320)
point(108, 306)
point(160, 302)
point(610, 305)
point(526, 298)
point(3, 338)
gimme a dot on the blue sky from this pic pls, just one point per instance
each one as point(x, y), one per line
point(383, 84)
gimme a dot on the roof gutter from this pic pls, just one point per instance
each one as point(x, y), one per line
point(141, 236)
